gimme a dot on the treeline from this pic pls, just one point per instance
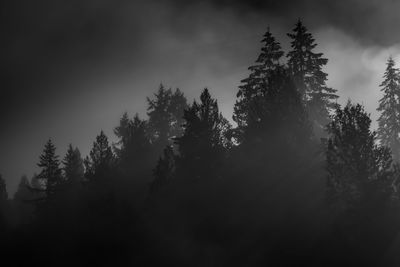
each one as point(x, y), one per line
point(299, 180)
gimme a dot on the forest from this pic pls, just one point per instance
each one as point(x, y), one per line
point(296, 180)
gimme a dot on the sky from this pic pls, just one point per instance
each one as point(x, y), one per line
point(71, 68)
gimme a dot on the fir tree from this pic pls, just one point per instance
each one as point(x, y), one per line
point(307, 69)
point(23, 192)
point(389, 106)
point(136, 151)
point(165, 113)
point(203, 143)
point(73, 166)
point(277, 115)
point(256, 85)
point(50, 172)
point(122, 133)
point(360, 173)
point(101, 159)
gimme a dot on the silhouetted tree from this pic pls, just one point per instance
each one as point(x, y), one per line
point(122, 133)
point(101, 160)
point(278, 114)
point(306, 67)
point(389, 106)
point(165, 169)
point(135, 152)
point(165, 113)
point(24, 191)
point(360, 173)
point(73, 166)
point(202, 146)
point(256, 85)
point(50, 172)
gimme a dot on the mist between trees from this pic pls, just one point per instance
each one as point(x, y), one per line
point(299, 181)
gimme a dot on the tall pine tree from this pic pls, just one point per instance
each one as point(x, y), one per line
point(389, 106)
point(73, 166)
point(360, 173)
point(165, 113)
point(50, 173)
point(203, 144)
point(307, 69)
point(134, 151)
point(101, 160)
point(256, 85)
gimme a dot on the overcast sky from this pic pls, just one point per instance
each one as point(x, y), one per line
point(71, 68)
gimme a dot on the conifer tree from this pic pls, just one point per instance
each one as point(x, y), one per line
point(165, 113)
point(101, 159)
point(307, 69)
point(277, 115)
point(136, 152)
point(122, 133)
point(73, 166)
point(164, 172)
point(256, 85)
point(389, 106)
point(203, 143)
point(360, 173)
point(24, 190)
point(50, 172)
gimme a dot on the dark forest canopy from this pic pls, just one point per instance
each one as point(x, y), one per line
point(298, 180)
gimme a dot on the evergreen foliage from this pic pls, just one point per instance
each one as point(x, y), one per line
point(307, 69)
point(202, 146)
point(50, 173)
point(389, 106)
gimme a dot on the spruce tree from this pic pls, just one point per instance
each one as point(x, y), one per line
point(50, 173)
point(255, 86)
point(389, 106)
point(279, 114)
point(203, 144)
point(122, 133)
point(136, 154)
point(165, 113)
point(307, 69)
point(23, 192)
point(360, 173)
point(101, 159)
point(73, 166)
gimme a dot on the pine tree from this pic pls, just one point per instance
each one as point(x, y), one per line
point(23, 192)
point(256, 85)
point(359, 171)
point(203, 144)
point(165, 169)
point(306, 67)
point(101, 159)
point(73, 166)
point(50, 172)
point(389, 106)
point(165, 113)
point(136, 154)
point(277, 115)
point(122, 133)
point(3, 190)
